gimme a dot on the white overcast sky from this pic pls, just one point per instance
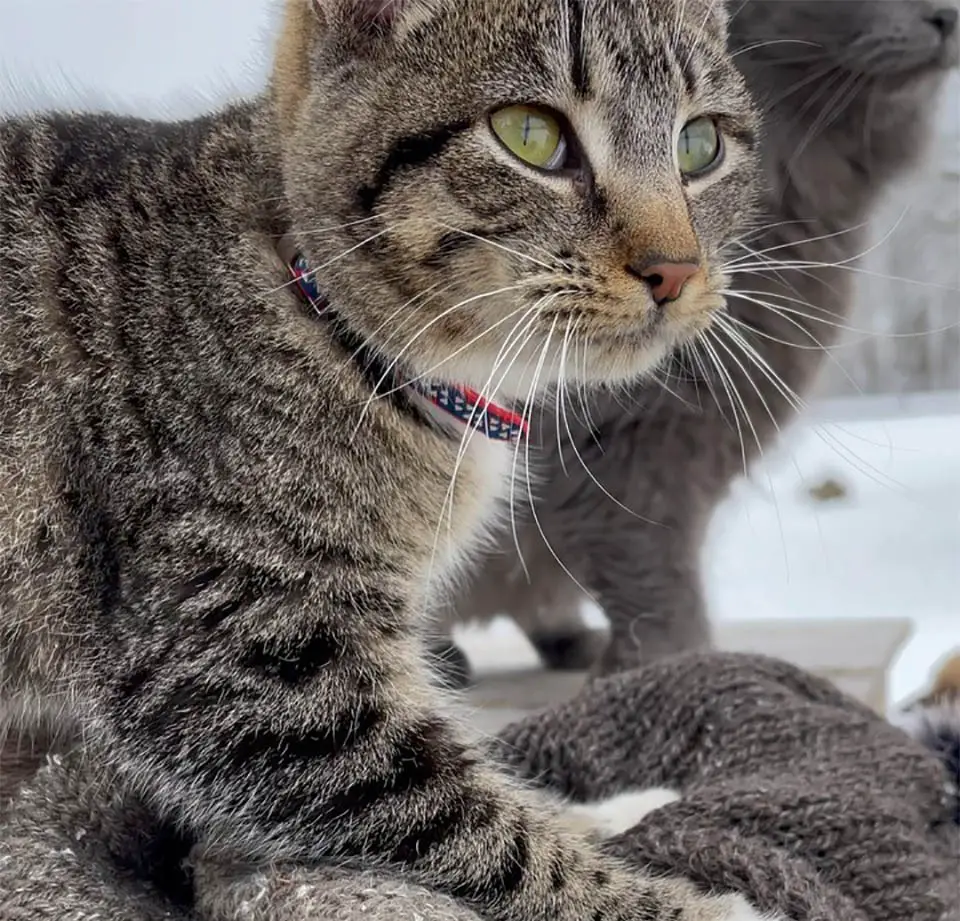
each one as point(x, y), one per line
point(131, 54)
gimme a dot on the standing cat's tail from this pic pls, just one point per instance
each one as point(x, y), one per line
point(934, 720)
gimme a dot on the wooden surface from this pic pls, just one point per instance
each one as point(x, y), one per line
point(856, 655)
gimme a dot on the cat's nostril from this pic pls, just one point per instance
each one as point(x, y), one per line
point(945, 20)
point(665, 279)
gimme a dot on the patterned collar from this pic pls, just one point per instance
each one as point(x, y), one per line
point(461, 402)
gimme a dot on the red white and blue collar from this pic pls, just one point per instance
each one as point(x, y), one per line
point(463, 403)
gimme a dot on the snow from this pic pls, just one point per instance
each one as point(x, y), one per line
point(889, 548)
point(177, 57)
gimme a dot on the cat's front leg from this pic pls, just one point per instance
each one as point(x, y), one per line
point(287, 719)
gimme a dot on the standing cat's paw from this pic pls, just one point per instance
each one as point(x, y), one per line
point(570, 652)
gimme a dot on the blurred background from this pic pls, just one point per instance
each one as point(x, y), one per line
point(856, 515)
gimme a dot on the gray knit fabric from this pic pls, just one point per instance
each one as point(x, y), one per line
point(796, 796)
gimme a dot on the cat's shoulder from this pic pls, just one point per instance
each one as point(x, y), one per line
point(91, 154)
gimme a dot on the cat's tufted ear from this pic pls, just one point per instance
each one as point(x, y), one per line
point(352, 25)
point(372, 16)
point(714, 16)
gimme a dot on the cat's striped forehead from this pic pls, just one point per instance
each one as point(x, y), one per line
point(589, 47)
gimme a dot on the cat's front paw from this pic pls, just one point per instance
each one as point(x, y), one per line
point(677, 899)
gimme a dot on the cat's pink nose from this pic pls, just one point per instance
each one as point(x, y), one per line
point(666, 279)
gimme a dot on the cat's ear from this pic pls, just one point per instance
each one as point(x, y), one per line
point(714, 16)
point(372, 17)
point(352, 26)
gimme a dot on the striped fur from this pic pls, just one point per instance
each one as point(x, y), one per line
point(214, 546)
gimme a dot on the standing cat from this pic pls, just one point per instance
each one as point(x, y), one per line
point(849, 91)
point(261, 378)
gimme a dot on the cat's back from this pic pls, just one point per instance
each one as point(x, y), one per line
point(77, 193)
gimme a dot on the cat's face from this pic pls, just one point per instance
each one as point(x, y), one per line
point(897, 41)
point(856, 74)
point(493, 190)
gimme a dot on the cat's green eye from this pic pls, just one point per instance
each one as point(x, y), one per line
point(698, 147)
point(532, 134)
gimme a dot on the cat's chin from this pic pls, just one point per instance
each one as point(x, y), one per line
point(610, 360)
point(617, 363)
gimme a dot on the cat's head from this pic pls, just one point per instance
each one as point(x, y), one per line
point(846, 62)
point(491, 187)
point(897, 41)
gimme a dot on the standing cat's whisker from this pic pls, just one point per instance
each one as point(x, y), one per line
point(833, 109)
point(814, 77)
point(825, 87)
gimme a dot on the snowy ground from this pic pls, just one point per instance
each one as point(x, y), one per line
point(889, 548)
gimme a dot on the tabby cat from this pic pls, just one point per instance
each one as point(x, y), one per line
point(262, 377)
point(628, 484)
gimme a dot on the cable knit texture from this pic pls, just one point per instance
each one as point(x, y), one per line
point(793, 794)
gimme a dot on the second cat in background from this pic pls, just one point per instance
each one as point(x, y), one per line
point(625, 484)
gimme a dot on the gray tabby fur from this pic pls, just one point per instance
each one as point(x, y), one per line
point(215, 544)
point(849, 89)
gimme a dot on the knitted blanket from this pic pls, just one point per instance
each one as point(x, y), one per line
point(803, 800)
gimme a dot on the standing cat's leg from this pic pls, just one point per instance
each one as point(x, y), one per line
point(557, 630)
point(547, 605)
point(649, 586)
point(290, 719)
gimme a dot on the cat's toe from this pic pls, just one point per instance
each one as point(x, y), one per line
point(618, 814)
